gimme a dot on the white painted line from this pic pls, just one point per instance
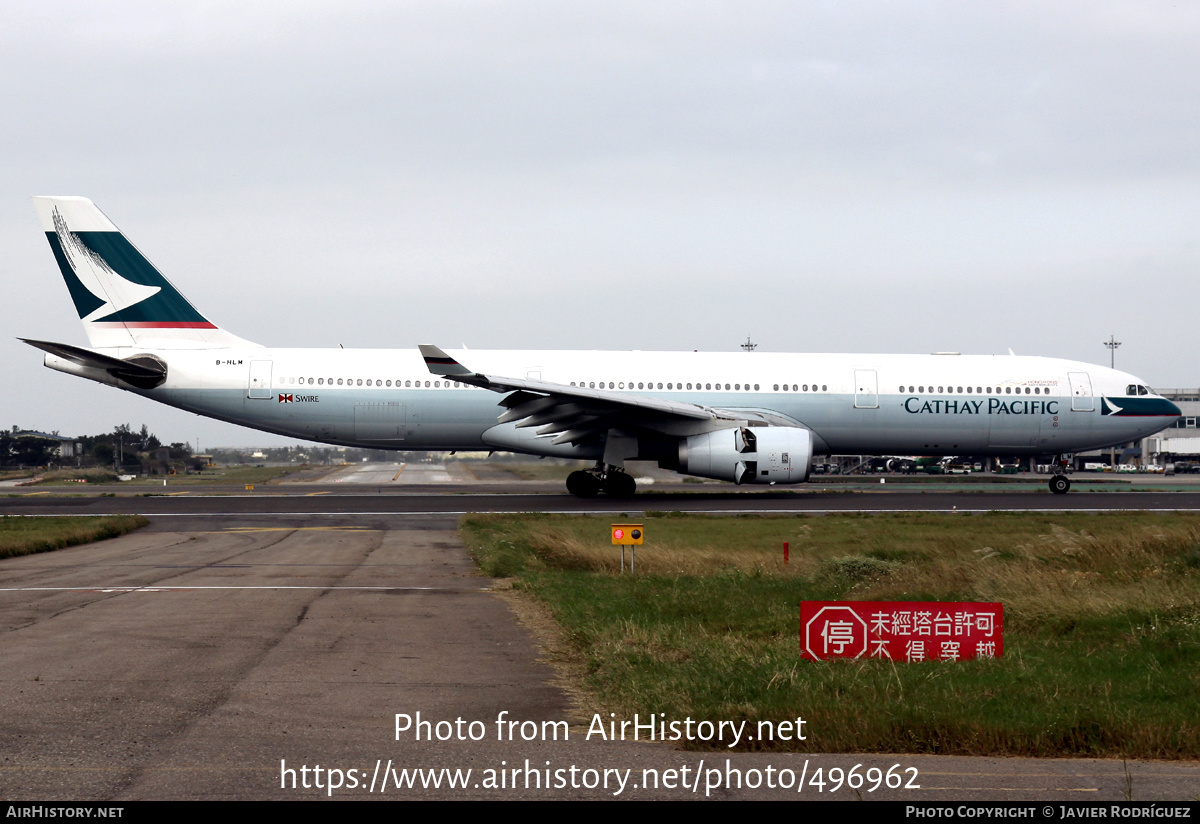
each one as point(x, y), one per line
point(606, 512)
point(175, 588)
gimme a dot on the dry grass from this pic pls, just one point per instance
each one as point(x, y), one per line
point(20, 535)
point(1096, 567)
point(561, 549)
point(1102, 625)
point(94, 475)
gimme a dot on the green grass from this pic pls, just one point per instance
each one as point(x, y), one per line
point(15, 474)
point(548, 470)
point(1102, 625)
point(20, 535)
point(226, 475)
point(70, 477)
point(215, 475)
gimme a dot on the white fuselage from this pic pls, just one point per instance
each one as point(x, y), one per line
point(852, 404)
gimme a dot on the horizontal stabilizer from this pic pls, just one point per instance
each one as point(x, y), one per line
point(144, 372)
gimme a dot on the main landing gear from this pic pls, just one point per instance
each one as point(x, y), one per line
point(608, 479)
point(1060, 484)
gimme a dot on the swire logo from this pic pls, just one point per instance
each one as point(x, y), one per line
point(285, 398)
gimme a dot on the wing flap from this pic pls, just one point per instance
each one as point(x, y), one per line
point(572, 414)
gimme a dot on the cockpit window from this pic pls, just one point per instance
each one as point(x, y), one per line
point(1131, 389)
point(1144, 390)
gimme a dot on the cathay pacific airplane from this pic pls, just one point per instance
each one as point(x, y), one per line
point(749, 418)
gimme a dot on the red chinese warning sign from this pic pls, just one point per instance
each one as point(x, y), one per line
point(901, 630)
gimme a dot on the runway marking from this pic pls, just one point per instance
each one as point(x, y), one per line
point(596, 512)
point(151, 588)
point(31, 494)
point(173, 494)
point(311, 494)
point(397, 475)
point(606, 512)
point(230, 529)
point(1018, 789)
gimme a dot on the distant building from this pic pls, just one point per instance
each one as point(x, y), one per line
point(1182, 439)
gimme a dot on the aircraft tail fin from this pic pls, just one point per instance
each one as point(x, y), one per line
point(122, 299)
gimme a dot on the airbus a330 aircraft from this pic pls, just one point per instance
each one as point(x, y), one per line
point(750, 418)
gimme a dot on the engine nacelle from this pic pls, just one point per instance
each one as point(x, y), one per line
point(759, 455)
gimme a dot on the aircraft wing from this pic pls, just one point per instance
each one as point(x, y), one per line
point(574, 414)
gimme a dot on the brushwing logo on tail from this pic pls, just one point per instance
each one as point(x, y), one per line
point(97, 276)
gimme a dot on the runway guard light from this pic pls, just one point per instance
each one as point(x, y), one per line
point(627, 534)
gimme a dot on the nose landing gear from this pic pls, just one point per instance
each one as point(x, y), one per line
point(1060, 484)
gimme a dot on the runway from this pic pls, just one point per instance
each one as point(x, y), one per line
point(244, 635)
point(400, 503)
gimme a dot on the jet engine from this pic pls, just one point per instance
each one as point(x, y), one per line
point(759, 455)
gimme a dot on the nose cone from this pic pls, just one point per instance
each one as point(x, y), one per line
point(1143, 406)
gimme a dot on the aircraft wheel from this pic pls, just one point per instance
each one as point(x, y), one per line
point(583, 484)
point(1059, 484)
point(620, 485)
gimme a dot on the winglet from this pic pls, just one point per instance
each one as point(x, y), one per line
point(439, 363)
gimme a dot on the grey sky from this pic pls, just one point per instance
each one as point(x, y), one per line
point(892, 177)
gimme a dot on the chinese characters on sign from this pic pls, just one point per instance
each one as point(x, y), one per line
point(901, 630)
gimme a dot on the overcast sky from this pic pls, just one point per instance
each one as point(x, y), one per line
point(823, 176)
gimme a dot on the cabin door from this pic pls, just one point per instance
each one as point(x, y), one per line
point(1081, 392)
point(260, 379)
point(866, 389)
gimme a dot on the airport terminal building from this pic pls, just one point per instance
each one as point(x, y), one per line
point(1181, 440)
